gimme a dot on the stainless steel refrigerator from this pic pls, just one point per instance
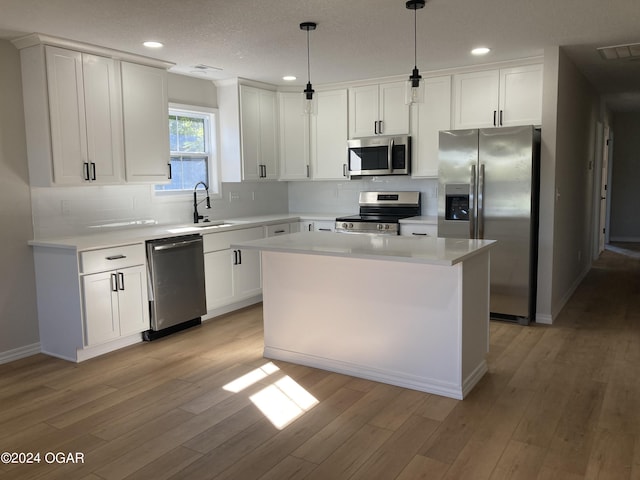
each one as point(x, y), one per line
point(488, 184)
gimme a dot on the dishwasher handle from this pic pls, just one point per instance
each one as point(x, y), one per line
point(181, 244)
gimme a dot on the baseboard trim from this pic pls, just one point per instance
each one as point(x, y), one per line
point(625, 239)
point(20, 352)
point(216, 312)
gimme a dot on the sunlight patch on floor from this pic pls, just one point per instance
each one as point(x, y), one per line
point(281, 402)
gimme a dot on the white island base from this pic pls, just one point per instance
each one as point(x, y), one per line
point(417, 325)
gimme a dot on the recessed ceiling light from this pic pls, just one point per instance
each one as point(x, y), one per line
point(289, 78)
point(480, 51)
point(153, 44)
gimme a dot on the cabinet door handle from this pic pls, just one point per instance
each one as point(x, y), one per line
point(116, 257)
point(93, 171)
point(308, 171)
point(170, 173)
point(500, 117)
point(380, 127)
point(85, 170)
point(114, 282)
point(310, 227)
point(494, 118)
point(235, 257)
point(375, 127)
point(239, 257)
point(120, 281)
point(344, 169)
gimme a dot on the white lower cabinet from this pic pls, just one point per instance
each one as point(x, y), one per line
point(317, 226)
point(419, 229)
point(277, 229)
point(115, 304)
point(90, 302)
point(231, 275)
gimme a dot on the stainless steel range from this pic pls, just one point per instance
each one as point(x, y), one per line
point(380, 213)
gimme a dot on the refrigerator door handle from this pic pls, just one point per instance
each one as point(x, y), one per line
point(472, 203)
point(481, 202)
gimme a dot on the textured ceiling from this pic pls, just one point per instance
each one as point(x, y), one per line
point(358, 39)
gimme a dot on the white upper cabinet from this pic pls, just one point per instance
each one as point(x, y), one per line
point(146, 123)
point(329, 136)
point(294, 137)
point(313, 146)
point(498, 98)
point(521, 95)
point(427, 119)
point(73, 117)
point(91, 116)
point(378, 109)
point(258, 133)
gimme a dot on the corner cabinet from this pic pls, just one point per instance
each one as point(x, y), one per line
point(427, 119)
point(498, 98)
point(378, 109)
point(73, 117)
point(313, 147)
point(146, 126)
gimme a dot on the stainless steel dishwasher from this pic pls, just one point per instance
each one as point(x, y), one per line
point(176, 284)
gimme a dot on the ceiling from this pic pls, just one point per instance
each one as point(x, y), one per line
point(358, 39)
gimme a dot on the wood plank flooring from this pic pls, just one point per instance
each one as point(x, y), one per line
point(559, 402)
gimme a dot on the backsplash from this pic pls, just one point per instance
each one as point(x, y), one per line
point(342, 197)
point(67, 211)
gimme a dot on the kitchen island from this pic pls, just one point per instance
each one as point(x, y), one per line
point(412, 312)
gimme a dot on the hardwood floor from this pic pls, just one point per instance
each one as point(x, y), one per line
point(559, 402)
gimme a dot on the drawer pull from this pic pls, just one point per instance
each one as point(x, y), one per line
point(325, 230)
point(421, 234)
point(279, 231)
point(116, 257)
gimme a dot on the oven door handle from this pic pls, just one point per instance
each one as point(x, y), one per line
point(390, 155)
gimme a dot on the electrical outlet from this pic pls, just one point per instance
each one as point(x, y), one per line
point(234, 196)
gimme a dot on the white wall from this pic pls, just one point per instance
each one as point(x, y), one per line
point(18, 315)
point(625, 220)
point(566, 182)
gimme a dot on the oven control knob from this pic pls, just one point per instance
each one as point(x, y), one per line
point(380, 226)
point(351, 225)
point(386, 227)
point(344, 225)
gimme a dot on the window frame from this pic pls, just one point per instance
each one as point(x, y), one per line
point(213, 151)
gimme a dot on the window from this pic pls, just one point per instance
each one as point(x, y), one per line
point(192, 142)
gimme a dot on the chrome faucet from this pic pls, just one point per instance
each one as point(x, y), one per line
point(196, 216)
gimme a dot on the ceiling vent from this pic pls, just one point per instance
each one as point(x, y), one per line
point(627, 52)
point(205, 69)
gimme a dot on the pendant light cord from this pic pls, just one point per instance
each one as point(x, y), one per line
point(308, 59)
point(415, 38)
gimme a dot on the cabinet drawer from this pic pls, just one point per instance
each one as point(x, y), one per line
point(418, 229)
point(223, 240)
point(279, 229)
point(93, 261)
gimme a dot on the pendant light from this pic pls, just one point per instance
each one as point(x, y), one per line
point(307, 95)
point(413, 92)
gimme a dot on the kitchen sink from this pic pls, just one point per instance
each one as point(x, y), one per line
point(199, 226)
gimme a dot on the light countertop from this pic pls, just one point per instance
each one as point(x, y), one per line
point(434, 251)
point(105, 238)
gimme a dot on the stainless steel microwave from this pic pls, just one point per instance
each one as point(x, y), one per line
point(381, 155)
